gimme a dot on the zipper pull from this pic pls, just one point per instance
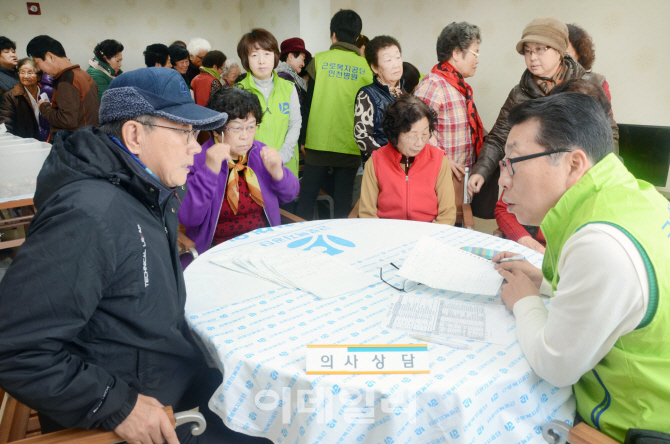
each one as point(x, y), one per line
point(406, 169)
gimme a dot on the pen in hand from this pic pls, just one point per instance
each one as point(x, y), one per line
point(511, 259)
point(433, 339)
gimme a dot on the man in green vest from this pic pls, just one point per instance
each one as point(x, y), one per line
point(606, 329)
point(335, 76)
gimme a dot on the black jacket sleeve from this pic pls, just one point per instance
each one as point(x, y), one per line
point(47, 298)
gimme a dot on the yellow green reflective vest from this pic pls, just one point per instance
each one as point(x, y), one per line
point(630, 386)
point(339, 76)
point(276, 115)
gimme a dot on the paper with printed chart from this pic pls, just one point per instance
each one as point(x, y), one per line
point(448, 268)
point(448, 319)
point(316, 273)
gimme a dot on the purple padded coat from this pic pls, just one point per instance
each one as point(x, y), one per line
point(201, 207)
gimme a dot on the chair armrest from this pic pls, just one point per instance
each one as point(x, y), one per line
point(582, 433)
point(289, 218)
point(81, 436)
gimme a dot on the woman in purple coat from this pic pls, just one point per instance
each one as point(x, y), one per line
point(236, 183)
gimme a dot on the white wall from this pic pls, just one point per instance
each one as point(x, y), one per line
point(632, 38)
point(80, 24)
point(632, 44)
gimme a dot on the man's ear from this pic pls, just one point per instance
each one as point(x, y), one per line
point(133, 134)
point(578, 165)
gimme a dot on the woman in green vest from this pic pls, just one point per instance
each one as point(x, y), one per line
point(259, 52)
point(106, 64)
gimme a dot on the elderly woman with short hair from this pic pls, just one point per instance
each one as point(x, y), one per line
point(231, 71)
point(19, 110)
point(543, 45)
point(179, 59)
point(408, 178)
point(384, 55)
point(460, 132)
point(236, 183)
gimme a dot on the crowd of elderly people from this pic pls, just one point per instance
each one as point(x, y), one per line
point(193, 139)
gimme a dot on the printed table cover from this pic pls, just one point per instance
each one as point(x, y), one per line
point(256, 333)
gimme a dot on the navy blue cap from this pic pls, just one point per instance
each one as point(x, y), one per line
point(159, 92)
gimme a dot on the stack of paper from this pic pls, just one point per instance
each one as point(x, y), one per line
point(316, 273)
point(448, 268)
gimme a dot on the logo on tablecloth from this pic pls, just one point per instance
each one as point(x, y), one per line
point(320, 241)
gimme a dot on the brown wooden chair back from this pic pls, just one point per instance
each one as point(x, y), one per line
point(464, 215)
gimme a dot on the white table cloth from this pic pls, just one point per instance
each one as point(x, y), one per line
point(256, 333)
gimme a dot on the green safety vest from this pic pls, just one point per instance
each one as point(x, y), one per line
point(630, 386)
point(276, 114)
point(339, 76)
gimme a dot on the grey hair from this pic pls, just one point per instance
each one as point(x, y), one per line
point(197, 45)
point(228, 66)
point(115, 128)
point(456, 36)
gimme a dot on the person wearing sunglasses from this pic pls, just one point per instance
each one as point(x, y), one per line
point(606, 330)
point(408, 179)
point(235, 186)
point(543, 45)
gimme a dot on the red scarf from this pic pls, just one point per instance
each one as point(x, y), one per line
point(455, 79)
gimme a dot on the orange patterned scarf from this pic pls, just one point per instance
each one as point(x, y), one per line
point(233, 188)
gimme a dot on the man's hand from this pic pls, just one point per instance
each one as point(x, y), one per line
point(457, 170)
point(302, 149)
point(518, 286)
point(531, 243)
point(272, 161)
point(216, 154)
point(475, 184)
point(533, 273)
point(147, 424)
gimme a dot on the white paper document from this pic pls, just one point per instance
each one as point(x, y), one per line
point(316, 273)
point(448, 268)
point(454, 319)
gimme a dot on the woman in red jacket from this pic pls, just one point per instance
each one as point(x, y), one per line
point(408, 178)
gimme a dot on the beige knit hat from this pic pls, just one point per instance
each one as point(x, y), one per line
point(546, 31)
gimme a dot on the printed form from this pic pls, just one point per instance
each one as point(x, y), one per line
point(445, 318)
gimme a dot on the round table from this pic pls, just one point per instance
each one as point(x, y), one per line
point(255, 332)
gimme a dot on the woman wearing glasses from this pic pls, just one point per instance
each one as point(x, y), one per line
point(543, 45)
point(19, 110)
point(408, 178)
point(234, 186)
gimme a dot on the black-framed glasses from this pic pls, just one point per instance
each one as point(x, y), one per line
point(407, 285)
point(508, 163)
point(190, 133)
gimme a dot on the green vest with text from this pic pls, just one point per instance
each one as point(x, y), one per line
point(339, 76)
point(630, 386)
point(276, 114)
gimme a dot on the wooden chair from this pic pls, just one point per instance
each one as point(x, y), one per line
point(14, 215)
point(557, 432)
point(20, 424)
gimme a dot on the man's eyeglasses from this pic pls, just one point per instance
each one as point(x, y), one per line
point(406, 286)
point(508, 163)
point(238, 129)
point(193, 133)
